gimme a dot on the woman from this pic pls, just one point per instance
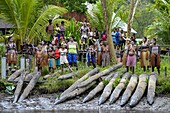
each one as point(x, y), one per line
point(144, 54)
point(131, 57)
point(127, 45)
point(155, 56)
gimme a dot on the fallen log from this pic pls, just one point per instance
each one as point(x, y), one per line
point(97, 89)
point(74, 86)
point(51, 75)
point(67, 76)
point(74, 93)
point(151, 88)
point(107, 90)
point(139, 90)
point(29, 87)
point(15, 74)
point(116, 93)
point(97, 76)
point(19, 86)
point(129, 90)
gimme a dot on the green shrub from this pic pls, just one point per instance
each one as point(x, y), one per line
point(163, 85)
point(45, 71)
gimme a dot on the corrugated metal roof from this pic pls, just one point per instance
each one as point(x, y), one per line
point(5, 25)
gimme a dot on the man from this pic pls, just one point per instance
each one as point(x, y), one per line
point(72, 52)
point(117, 35)
point(11, 54)
point(62, 29)
point(50, 30)
point(84, 31)
point(155, 55)
point(113, 36)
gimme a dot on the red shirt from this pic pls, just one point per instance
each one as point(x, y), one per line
point(57, 54)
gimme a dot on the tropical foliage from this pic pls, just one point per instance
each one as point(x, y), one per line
point(161, 26)
point(71, 5)
point(20, 13)
point(114, 9)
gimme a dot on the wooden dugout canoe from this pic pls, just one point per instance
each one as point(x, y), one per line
point(107, 90)
point(74, 86)
point(98, 75)
point(19, 86)
point(29, 87)
point(151, 88)
point(129, 90)
point(116, 93)
point(15, 74)
point(74, 93)
point(140, 90)
point(97, 89)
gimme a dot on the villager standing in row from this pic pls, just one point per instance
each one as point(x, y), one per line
point(63, 58)
point(91, 56)
point(144, 54)
point(155, 56)
point(131, 57)
point(127, 45)
point(11, 54)
point(72, 52)
point(105, 55)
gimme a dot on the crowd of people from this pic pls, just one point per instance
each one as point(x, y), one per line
point(59, 50)
point(94, 50)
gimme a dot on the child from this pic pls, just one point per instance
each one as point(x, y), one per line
point(63, 58)
point(51, 59)
point(91, 56)
point(57, 57)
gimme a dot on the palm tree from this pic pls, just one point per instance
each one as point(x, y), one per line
point(104, 17)
point(21, 13)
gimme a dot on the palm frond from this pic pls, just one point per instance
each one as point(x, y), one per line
point(48, 12)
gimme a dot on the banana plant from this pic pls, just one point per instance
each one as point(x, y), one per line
point(20, 13)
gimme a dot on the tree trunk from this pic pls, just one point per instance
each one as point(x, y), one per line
point(116, 93)
point(97, 89)
point(98, 75)
point(30, 86)
point(133, 6)
point(151, 88)
point(74, 93)
point(129, 90)
point(108, 32)
point(15, 74)
point(140, 90)
point(74, 86)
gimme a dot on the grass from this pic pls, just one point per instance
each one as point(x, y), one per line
point(53, 85)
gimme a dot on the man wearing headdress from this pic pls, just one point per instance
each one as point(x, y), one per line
point(11, 54)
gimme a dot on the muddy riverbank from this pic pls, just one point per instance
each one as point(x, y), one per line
point(46, 102)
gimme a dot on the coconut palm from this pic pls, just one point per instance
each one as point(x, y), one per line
point(96, 19)
point(21, 13)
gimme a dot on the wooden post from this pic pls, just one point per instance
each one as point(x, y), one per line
point(3, 67)
point(165, 71)
point(22, 62)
